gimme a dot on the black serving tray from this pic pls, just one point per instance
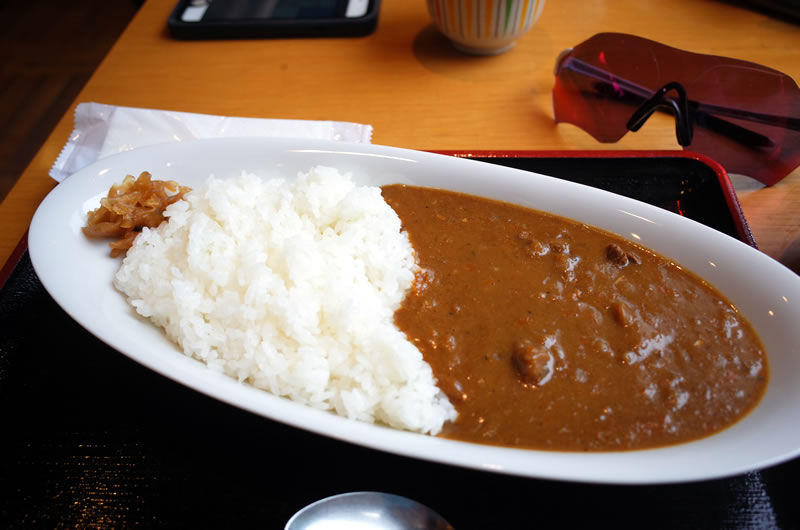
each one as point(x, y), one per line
point(90, 439)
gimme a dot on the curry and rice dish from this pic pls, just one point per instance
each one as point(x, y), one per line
point(445, 314)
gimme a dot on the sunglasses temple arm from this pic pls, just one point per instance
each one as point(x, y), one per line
point(719, 125)
point(756, 117)
point(683, 127)
point(742, 135)
point(601, 75)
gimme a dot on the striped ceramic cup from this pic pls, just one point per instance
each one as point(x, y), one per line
point(484, 26)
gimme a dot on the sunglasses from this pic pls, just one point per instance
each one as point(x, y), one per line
point(743, 115)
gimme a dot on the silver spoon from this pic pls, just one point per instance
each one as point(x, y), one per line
point(367, 510)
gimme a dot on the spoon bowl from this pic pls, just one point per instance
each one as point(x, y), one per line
point(366, 510)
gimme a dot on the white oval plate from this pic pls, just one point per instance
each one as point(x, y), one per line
point(78, 272)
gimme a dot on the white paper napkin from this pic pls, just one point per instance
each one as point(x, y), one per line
point(103, 130)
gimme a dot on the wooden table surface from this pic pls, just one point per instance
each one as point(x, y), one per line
point(419, 93)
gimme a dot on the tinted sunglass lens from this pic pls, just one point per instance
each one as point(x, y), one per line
point(603, 81)
point(752, 132)
point(587, 94)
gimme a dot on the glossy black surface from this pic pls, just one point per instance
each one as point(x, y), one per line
point(681, 185)
point(90, 439)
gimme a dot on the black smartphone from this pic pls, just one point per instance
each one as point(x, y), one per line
point(232, 19)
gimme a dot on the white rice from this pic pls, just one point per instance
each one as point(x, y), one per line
point(291, 286)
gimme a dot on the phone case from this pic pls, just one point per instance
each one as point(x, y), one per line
point(272, 28)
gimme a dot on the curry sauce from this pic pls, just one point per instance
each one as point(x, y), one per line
point(549, 334)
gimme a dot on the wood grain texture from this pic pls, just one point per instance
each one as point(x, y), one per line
point(49, 50)
point(417, 91)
